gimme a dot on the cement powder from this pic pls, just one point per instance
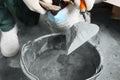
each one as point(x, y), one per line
point(54, 64)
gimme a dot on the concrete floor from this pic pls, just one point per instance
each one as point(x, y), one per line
point(107, 42)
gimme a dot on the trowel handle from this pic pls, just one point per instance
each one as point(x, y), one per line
point(83, 6)
point(84, 12)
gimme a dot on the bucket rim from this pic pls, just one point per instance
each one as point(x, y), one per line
point(33, 77)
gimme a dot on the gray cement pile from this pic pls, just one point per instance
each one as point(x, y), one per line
point(54, 64)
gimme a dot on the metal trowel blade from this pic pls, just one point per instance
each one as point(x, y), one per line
point(84, 31)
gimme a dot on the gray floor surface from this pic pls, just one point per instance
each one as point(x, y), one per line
point(107, 42)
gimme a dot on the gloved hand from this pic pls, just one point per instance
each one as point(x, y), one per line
point(89, 3)
point(35, 5)
point(84, 6)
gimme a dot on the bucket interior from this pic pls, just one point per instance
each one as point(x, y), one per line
point(54, 64)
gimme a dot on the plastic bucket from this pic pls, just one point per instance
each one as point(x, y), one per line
point(41, 63)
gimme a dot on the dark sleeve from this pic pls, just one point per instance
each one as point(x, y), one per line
point(6, 19)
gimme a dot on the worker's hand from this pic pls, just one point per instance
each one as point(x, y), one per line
point(89, 3)
point(49, 6)
point(34, 5)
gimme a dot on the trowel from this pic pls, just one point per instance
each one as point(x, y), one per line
point(85, 30)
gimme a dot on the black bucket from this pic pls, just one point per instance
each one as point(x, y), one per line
point(40, 63)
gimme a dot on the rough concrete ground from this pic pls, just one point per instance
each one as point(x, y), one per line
point(107, 41)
